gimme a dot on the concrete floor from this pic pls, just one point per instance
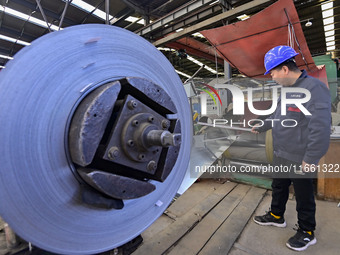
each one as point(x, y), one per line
point(269, 240)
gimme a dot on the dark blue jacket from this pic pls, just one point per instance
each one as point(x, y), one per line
point(309, 139)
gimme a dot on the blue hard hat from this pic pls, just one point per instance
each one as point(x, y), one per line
point(277, 56)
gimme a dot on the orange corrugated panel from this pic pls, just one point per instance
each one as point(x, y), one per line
point(244, 44)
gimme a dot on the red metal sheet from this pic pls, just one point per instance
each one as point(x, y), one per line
point(244, 44)
point(320, 73)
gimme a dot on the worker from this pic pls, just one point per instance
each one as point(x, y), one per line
point(299, 147)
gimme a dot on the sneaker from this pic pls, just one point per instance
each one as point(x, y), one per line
point(301, 240)
point(270, 220)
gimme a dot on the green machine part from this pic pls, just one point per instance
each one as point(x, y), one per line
point(331, 71)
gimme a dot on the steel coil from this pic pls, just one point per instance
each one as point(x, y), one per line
point(39, 194)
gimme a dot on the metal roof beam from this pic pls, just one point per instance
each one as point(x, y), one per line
point(160, 8)
point(195, 52)
point(137, 7)
point(121, 16)
point(199, 26)
point(189, 19)
point(15, 34)
point(89, 14)
point(48, 13)
point(5, 51)
point(306, 4)
point(178, 13)
point(315, 43)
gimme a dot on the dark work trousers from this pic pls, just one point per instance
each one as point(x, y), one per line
point(304, 194)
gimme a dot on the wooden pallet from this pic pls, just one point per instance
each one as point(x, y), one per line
point(206, 219)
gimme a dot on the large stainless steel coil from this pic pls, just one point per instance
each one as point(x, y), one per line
point(95, 139)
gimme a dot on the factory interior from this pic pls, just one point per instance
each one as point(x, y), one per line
point(134, 127)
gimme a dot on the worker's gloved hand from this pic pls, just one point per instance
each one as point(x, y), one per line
point(256, 129)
